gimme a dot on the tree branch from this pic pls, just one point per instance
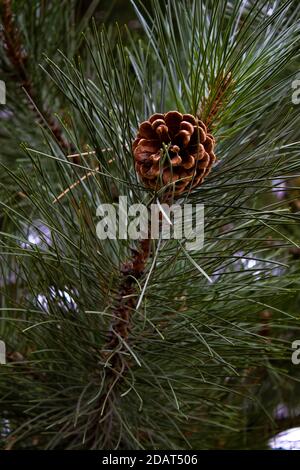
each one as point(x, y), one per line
point(19, 58)
point(113, 351)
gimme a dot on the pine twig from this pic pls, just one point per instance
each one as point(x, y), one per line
point(217, 100)
point(18, 57)
point(130, 271)
point(119, 332)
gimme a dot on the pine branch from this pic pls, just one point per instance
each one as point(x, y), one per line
point(19, 58)
point(208, 354)
point(216, 101)
point(118, 336)
point(131, 271)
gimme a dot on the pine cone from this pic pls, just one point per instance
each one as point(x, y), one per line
point(173, 148)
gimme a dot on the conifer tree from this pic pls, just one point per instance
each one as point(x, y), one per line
point(120, 343)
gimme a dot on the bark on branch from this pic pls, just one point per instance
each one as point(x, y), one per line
point(19, 59)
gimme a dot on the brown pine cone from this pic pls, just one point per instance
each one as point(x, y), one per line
point(173, 148)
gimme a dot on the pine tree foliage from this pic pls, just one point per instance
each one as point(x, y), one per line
point(125, 345)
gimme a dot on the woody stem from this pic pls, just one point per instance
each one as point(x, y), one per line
point(19, 58)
